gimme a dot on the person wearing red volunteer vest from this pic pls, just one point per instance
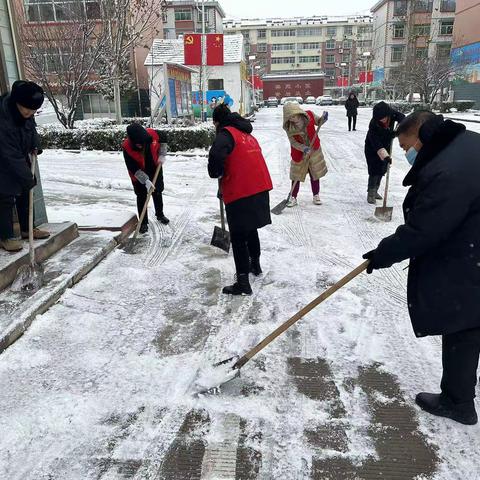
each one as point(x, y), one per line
point(300, 126)
point(236, 158)
point(141, 151)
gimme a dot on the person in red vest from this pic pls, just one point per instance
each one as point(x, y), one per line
point(141, 151)
point(300, 126)
point(236, 158)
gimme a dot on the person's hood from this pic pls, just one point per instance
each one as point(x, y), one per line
point(289, 110)
point(435, 134)
point(237, 121)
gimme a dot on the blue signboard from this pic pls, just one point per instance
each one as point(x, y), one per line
point(468, 57)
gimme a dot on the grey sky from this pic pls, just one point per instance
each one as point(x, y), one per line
point(293, 8)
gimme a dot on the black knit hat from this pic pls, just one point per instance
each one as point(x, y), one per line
point(27, 94)
point(381, 110)
point(138, 134)
point(220, 113)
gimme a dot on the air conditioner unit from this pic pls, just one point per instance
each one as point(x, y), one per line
point(298, 64)
point(293, 64)
point(318, 63)
point(337, 65)
point(340, 50)
point(293, 51)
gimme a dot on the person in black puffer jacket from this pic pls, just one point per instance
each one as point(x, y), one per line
point(441, 237)
point(351, 105)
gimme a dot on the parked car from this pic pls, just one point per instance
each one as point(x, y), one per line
point(310, 100)
point(325, 100)
point(272, 102)
point(282, 100)
point(291, 100)
point(299, 100)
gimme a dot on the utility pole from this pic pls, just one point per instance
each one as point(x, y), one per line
point(204, 55)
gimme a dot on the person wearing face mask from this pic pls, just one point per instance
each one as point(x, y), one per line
point(142, 155)
point(300, 126)
point(236, 158)
point(351, 105)
point(441, 237)
point(378, 144)
point(19, 141)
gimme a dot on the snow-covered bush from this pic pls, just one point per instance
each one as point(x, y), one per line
point(459, 105)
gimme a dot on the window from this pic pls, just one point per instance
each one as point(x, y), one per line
point(247, 48)
point(246, 35)
point(421, 52)
point(443, 51)
point(330, 44)
point(277, 47)
point(346, 58)
point(310, 59)
point(448, 6)
point(199, 15)
point(348, 30)
point(347, 44)
point(397, 53)
point(398, 30)
point(446, 27)
point(58, 11)
point(215, 84)
point(283, 33)
point(421, 30)
point(182, 14)
point(331, 31)
point(365, 29)
point(330, 59)
point(400, 8)
point(262, 34)
point(330, 72)
point(423, 6)
point(283, 60)
point(310, 46)
point(364, 43)
point(261, 47)
point(310, 32)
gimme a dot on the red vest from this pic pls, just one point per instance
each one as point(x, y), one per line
point(297, 155)
point(246, 172)
point(137, 155)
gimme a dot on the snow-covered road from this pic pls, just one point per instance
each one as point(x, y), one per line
point(100, 386)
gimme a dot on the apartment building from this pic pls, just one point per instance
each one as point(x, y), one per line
point(185, 16)
point(410, 29)
point(313, 45)
point(9, 64)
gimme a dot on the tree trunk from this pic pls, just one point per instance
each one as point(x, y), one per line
point(117, 101)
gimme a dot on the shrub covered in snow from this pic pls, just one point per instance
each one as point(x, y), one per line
point(458, 105)
point(110, 138)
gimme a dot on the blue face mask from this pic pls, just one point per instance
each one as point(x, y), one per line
point(411, 155)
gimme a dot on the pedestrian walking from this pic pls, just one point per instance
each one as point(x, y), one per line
point(378, 144)
point(351, 105)
point(141, 151)
point(300, 126)
point(19, 140)
point(441, 237)
point(236, 158)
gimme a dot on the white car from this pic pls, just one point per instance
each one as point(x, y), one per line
point(282, 100)
point(325, 100)
point(290, 100)
point(310, 100)
point(299, 100)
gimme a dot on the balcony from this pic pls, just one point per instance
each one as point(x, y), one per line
point(448, 6)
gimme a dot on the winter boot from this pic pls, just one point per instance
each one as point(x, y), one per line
point(292, 202)
point(240, 287)
point(11, 244)
point(371, 196)
point(143, 228)
point(316, 200)
point(37, 234)
point(163, 219)
point(255, 267)
point(442, 406)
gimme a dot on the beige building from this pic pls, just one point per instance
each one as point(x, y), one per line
point(330, 45)
point(9, 64)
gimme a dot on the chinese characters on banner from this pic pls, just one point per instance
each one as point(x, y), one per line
point(193, 49)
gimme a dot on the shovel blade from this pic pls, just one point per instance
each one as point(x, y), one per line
point(29, 278)
point(221, 239)
point(384, 213)
point(210, 380)
point(278, 209)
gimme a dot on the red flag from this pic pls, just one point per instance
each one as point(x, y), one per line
point(369, 77)
point(215, 49)
point(192, 44)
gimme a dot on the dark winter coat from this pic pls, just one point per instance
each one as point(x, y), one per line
point(441, 234)
point(379, 137)
point(351, 105)
point(18, 138)
point(247, 213)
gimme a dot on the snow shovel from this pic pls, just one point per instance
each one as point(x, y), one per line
point(384, 213)
point(130, 243)
point(221, 236)
point(228, 369)
point(29, 277)
point(278, 209)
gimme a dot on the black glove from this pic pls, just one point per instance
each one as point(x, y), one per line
point(370, 256)
point(388, 160)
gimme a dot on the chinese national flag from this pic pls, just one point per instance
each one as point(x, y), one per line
point(215, 49)
point(192, 43)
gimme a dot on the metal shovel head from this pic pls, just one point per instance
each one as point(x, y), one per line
point(384, 213)
point(29, 278)
point(210, 379)
point(277, 210)
point(221, 239)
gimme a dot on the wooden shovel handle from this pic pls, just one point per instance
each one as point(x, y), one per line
point(300, 314)
point(33, 163)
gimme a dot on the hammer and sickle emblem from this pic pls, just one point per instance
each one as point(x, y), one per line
point(189, 40)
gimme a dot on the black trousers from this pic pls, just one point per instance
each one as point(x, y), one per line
point(350, 118)
point(245, 245)
point(7, 202)
point(141, 193)
point(460, 353)
point(374, 182)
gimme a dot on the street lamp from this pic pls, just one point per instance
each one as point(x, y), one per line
point(343, 65)
point(366, 56)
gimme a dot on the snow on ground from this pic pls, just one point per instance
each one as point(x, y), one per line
point(100, 385)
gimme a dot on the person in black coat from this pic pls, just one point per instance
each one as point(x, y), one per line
point(441, 237)
point(19, 140)
point(245, 185)
point(351, 105)
point(378, 145)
